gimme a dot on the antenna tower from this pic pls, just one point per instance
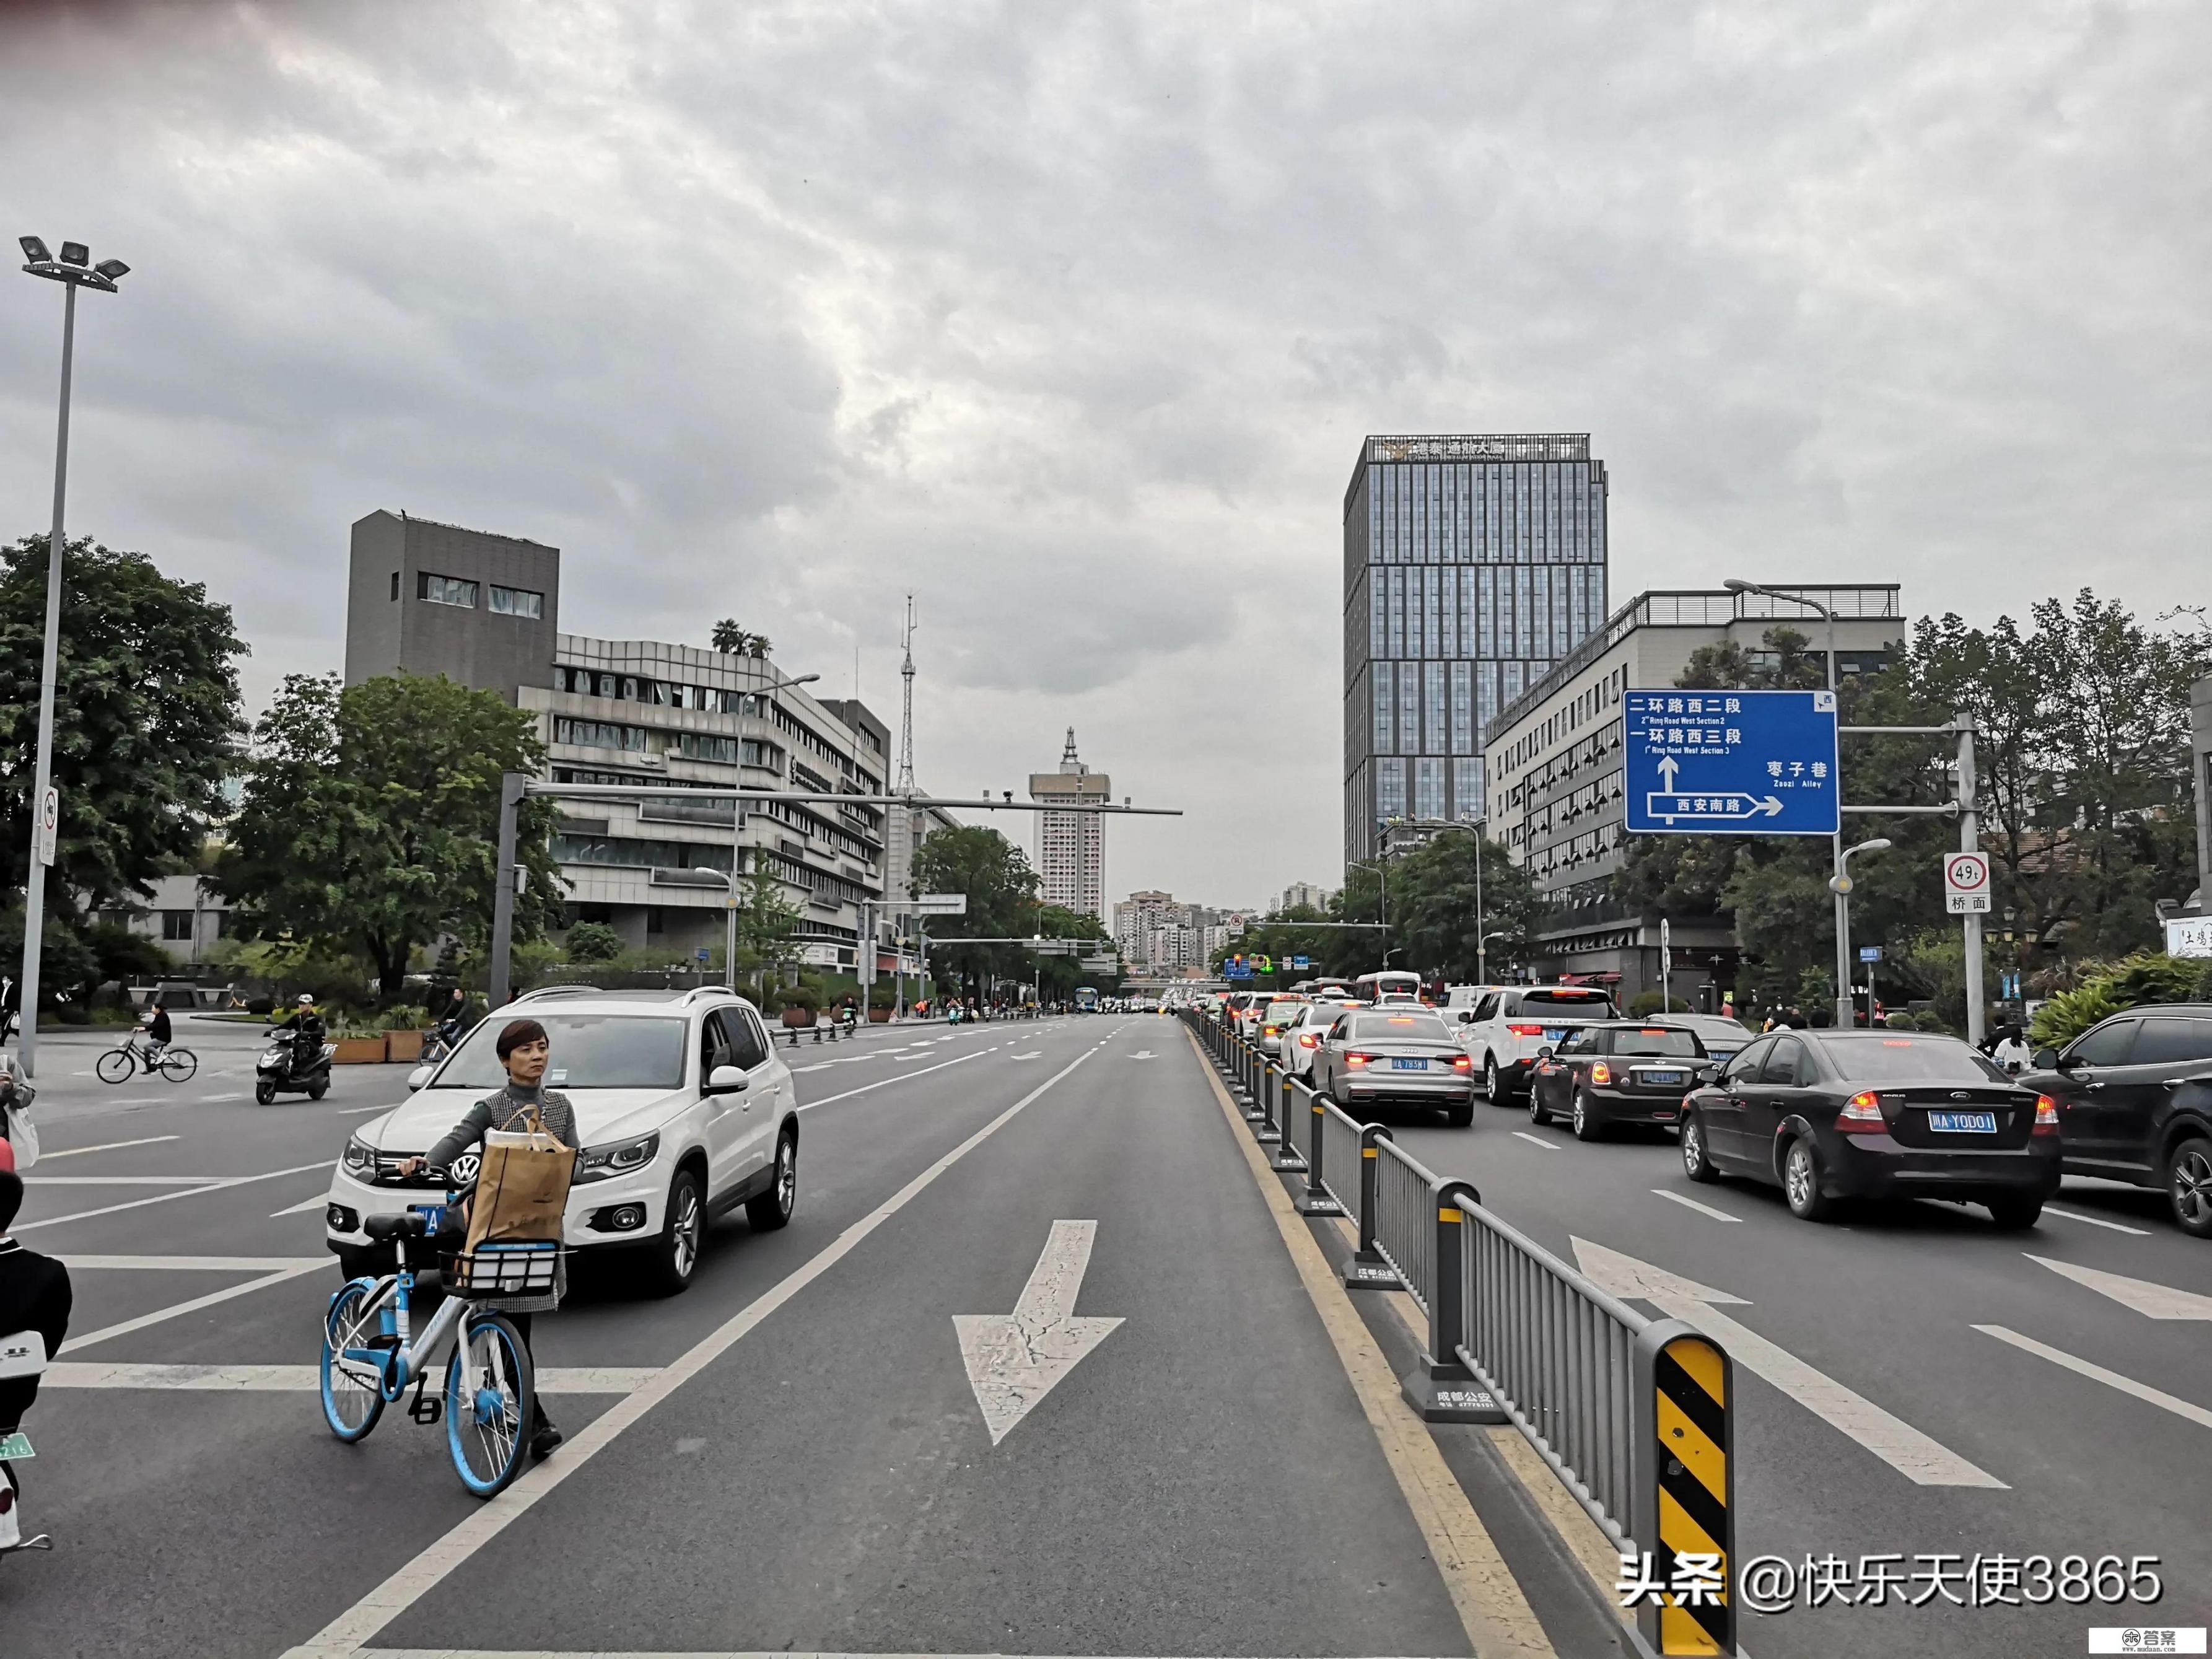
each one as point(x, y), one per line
point(905, 711)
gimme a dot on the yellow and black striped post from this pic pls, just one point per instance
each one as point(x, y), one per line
point(1686, 1489)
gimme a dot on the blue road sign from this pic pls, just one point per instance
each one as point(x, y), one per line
point(1236, 968)
point(1301, 962)
point(1731, 762)
point(1869, 953)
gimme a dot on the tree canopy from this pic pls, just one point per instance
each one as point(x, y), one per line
point(370, 819)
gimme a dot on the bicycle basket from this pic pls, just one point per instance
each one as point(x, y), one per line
point(503, 1270)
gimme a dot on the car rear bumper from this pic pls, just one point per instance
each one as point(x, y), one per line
point(1445, 1087)
point(1876, 1166)
point(1612, 1106)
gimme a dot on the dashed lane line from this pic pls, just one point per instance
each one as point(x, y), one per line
point(344, 1636)
point(318, 1264)
point(320, 1201)
point(120, 1181)
point(2127, 1385)
point(104, 1146)
point(164, 1198)
point(304, 1379)
point(1536, 1141)
point(884, 1083)
point(2094, 1221)
point(189, 1264)
point(1688, 1203)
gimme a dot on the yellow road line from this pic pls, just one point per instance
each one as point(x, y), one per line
point(1497, 1616)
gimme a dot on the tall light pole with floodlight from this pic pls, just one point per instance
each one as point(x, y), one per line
point(1840, 884)
point(73, 269)
point(1842, 999)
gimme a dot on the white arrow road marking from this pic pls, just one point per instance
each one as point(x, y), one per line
point(1921, 1459)
point(2152, 1300)
point(104, 1146)
point(1144, 1054)
point(1032, 1055)
point(2143, 1391)
point(1692, 1204)
point(1536, 1141)
point(320, 1201)
point(1013, 1362)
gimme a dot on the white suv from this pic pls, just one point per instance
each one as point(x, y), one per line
point(1509, 1027)
point(683, 1110)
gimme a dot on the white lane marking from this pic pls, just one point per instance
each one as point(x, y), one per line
point(160, 1315)
point(209, 1100)
point(351, 1111)
point(191, 1264)
point(1142, 1053)
point(303, 1379)
point(1034, 1054)
point(344, 1635)
point(2094, 1221)
point(119, 1181)
point(163, 1198)
point(2142, 1391)
point(320, 1201)
point(1691, 1204)
point(104, 1146)
point(1536, 1141)
point(882, 1082)
point(2147, 1297)
point(1013, 1360)
point(1920, 1459)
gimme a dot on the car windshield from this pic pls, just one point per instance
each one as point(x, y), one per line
point(1911, 1060)
point(1399, 1028)
point(1282, 1013)
point(1655, 1040)
point(1594, 1004)
point(590, 1051)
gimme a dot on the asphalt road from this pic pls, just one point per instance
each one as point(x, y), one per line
point(789, 1456)
point(1892, 1306)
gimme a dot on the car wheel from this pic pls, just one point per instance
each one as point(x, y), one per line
point(1493, 1087)
point(1696, 1160)
point(1538, 1115)
point(772, 1208)
point(2014, 1215)
point(1801, 1183)
point(675, 1254)
point(265, 1092)
point(1585, 1121)
point(2189, 1186)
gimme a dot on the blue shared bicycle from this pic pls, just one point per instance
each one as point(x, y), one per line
point(372, 1357)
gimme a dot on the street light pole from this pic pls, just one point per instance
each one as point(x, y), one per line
point(1841, 884)
point(1842, 997)
point(737, 849)
point(73, 271)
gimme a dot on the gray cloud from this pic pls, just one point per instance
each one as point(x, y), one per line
point(1070, 322)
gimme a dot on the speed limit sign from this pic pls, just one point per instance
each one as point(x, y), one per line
point(1966, 882)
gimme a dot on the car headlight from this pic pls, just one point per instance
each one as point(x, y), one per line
point(360, 1159)
point(620, 1157)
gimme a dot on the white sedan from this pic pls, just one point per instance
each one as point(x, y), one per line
point(1302, 1041)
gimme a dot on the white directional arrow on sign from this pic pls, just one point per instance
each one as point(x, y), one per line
point(1013, 1362)
point(2146, 1296)
point(1894, 1441)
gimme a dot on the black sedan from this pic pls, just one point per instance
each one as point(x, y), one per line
point(1828, 1116)
point(1621, 1071)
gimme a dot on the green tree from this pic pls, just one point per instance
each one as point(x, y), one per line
point(593, 941)
point(767, 920)
point(1434, 915)
point(370, 820)
point(146, 719)
point(1002, 901)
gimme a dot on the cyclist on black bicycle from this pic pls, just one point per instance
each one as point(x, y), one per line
point(524, 1048)
point(159, 1036)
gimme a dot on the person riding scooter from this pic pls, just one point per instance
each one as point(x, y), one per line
point(35, 1299)
point(303, 1067)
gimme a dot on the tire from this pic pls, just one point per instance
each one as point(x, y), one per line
point(1583, 1121)
point(1493, 1086)
point(316, 1091)
point(2189, 1186)
point(178, 1065)
point(675, 1254)
point(1539, 1113)
point(1461, 1116)
point(1697, 1157)
point(117, 1065)
point(772, 1208)
point(2015, 1215)
point(491, 1395)
point(264, 1093)
point(1800, 1182)
point(350, 1404)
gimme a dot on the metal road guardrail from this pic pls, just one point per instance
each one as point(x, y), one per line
point(1635, 1415)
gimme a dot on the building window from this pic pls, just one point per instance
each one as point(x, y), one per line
point(177, 926)
point(598, 734)
point(445, 590)
point(395, 587)
point(516, 602)
point(1428, 788)
point(1391, 789)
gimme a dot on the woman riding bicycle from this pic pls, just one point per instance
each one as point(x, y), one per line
point(524, 1048)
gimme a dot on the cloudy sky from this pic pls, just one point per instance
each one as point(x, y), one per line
point(1069, 321)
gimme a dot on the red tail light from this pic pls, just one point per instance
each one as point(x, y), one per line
point(2046, 1116)
point(1270, 1030)
point(1356, 1061)
point(1462, 1063)
point(1307, 1040)
point(1862, 1114)
point(1600, 1073)
point(1526, 1031)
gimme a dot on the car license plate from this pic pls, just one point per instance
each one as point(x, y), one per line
point(1971, 1123)
point(14, 1448)
point(1660, 1077)
point(1402, 1065)
point(1555, 1033)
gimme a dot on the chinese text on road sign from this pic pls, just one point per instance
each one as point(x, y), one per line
point(1966, 882)
point(1731, 762)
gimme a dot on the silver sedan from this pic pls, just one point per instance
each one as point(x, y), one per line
point(1390, 1056)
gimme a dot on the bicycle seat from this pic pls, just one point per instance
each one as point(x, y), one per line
point(410, 1225)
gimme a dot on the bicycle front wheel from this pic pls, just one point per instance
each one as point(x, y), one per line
point(117, 1065)
point(178, 1064)
point(491, 1394)
point(354, 1349)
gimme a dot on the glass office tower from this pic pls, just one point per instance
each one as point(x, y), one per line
point(1471, 564)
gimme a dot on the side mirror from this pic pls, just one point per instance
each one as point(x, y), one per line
point(1709, 1074)
point(1544, 1052)
point(1467, 1015)
point(417, 1077)
point(2047, 1060)
point(725, 1080)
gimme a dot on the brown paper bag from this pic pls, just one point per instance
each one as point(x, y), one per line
point(522, 1187)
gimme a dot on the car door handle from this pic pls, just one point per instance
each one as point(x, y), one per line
point(2092, 1085)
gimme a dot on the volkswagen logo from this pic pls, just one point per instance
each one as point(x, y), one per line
point(462, 1172)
